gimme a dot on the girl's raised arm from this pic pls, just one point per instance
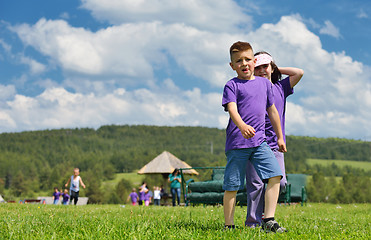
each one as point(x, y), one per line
point(294, 74)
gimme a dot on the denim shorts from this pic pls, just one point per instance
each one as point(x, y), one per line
point(261, 157)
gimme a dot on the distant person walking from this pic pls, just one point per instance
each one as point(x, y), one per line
point(156, 196)
point(75, 181)
point(133, 197)
point(175, 180)
point(147, 196)
point(142, 192)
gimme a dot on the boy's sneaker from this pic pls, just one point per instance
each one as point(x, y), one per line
point(272, 226)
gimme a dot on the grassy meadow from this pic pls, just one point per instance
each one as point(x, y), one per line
point(314, 221)
point(341, 163)
point(132, 177)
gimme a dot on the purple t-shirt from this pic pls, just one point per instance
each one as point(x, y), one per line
point(281, 90)
point(134, 197)
point(147, 196)
point(252, 97)
point(56, 195)
point(65, 197)
point(141, 195)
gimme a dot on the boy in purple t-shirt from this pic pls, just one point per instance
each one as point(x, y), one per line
point(65, 196)
point(133, 196)
point(265, 67)
point(56, 196)
point(247, 99)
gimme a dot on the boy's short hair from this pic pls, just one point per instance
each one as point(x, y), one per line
point(238, 47)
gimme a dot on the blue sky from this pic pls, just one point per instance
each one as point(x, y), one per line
point(68, 64)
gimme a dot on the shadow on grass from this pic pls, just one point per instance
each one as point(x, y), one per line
point(196, 225)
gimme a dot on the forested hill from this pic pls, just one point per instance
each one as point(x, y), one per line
point(43, 158)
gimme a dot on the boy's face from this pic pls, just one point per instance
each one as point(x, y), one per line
point(243, 63)
point(76, 172)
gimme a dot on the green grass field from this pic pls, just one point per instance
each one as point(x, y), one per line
point(314, 221)
point(341, 163)
point(133, 177)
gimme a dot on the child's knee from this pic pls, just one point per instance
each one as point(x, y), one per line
point(230, 194)
point(276, 179)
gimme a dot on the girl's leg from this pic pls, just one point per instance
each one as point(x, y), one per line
point(281, 161)
point(178, 195)
point(255, 197)
point(173, 193)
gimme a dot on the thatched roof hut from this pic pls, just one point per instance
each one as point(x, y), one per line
point(164, 164)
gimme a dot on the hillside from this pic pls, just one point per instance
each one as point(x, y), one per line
point(38, 160)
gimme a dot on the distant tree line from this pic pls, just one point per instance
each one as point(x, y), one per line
point(350, 189)
point(36, 161)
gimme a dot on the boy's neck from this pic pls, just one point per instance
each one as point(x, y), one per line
point(251, 78)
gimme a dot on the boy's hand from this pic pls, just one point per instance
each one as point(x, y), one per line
point(281, 145)
point(247, 131)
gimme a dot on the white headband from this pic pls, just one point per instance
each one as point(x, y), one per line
point(262, 59)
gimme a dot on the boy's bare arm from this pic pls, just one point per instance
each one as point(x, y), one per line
point(67, 182)
point(247, 131)
point(276, 124)
point(294, 74)
point(82, 184)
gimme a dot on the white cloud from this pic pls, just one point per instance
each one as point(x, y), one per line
point(65, 15)
point(72, 48)
point(332, 99)
point(362, 14)
point(7, 92)
point(330, 29)
point(56, 108)
point(5, 45)
point(221, 15)
point(35, 67)
point(47, 83)
point(6, 122)
point(313, 23)
point(131, 50)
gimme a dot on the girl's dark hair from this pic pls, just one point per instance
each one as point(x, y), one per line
point(175, 171)
point(276, 74)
